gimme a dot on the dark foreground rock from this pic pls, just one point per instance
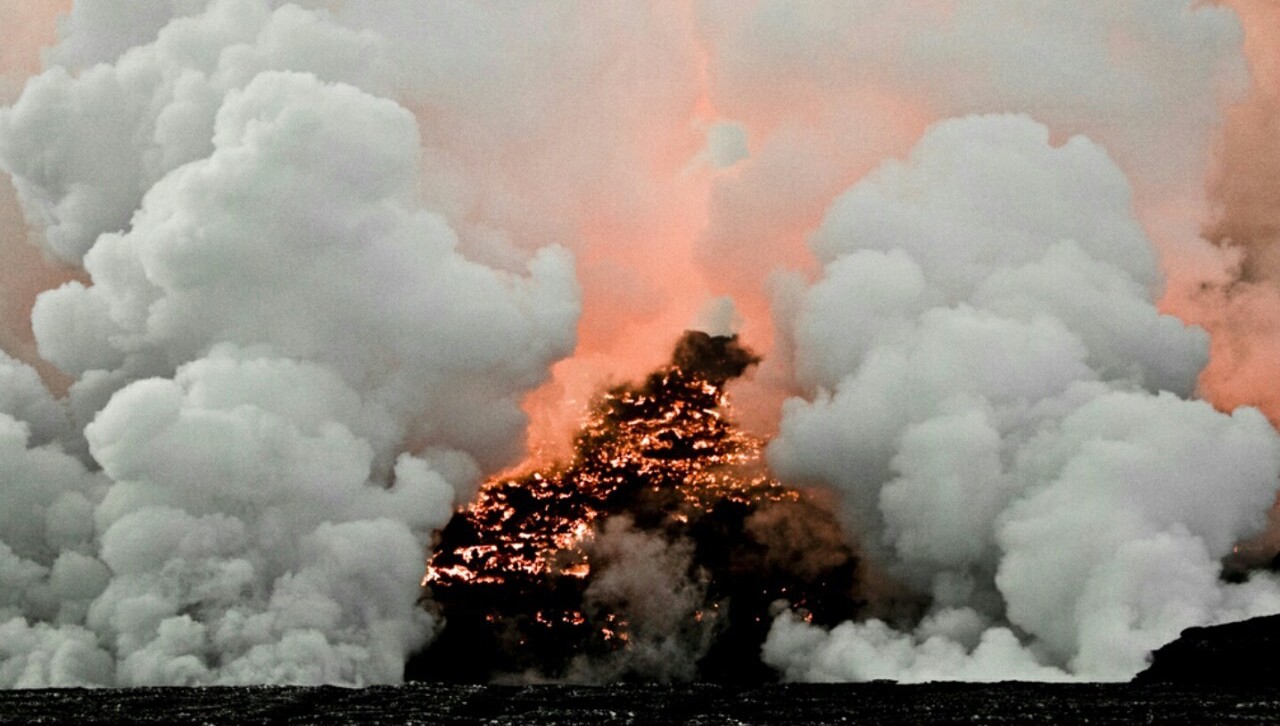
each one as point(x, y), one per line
point(1239, 654)
point(641, 704)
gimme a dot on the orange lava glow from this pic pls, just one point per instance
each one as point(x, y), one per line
point(525, 578)
point(670, 443)
point(701, 233)
point(29, 27)
point(1241, 308)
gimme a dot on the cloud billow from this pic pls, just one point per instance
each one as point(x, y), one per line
point(290, 373)
point(1006, 419)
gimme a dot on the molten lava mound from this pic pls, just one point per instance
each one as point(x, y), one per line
point(661, 551)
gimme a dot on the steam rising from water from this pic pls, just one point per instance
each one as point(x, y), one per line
point(291, 372)
point(1007, 421)
point(318, 256)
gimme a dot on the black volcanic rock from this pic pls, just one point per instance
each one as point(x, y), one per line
point(717, 358)
point(1246, 653)
point(631, 705)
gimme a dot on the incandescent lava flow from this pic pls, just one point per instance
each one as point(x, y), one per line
point(661, 551)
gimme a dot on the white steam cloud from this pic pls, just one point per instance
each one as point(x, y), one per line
point(273, 322)
point(1004, 412)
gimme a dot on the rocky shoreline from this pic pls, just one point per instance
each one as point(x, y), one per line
point(1239, 654)
point(1220, 674)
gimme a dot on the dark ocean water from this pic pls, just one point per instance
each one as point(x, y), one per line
point(650, 704)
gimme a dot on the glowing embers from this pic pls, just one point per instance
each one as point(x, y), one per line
point(514, 529)
point(534, 575)
point(666, 444)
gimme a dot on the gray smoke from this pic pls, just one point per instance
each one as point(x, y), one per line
point(647, 578)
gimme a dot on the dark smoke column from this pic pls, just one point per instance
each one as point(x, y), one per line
point(659, 552)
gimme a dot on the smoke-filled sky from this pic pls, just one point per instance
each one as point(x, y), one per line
point(282, 283)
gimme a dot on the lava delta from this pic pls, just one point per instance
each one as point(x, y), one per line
point(661, 551)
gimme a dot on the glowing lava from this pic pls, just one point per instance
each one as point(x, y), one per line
point(513, 574)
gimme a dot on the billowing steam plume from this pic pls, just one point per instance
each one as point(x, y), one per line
point(277, 326)
point(1004, 412)
point(309, 273)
